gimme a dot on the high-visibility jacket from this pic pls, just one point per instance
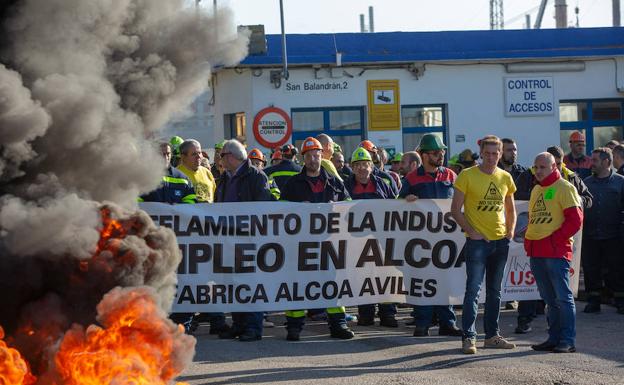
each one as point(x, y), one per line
point(281, 172)
point(174, 188)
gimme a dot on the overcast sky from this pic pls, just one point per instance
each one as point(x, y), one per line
point(322, 16)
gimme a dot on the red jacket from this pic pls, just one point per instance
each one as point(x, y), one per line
point(557, 244)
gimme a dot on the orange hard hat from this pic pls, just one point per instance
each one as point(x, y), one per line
point(310, 143)
point(368, 145)
point(256, 154)
point(577, 136)
point(277, 155)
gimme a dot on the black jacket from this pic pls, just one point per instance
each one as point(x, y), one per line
point(253, 185)
point(515, 171)
point(605, 219)
point(527, 180)
point(297, 189)
point(281, 172)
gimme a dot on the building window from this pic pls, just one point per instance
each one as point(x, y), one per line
point(599, 120)
point(345, 125)
point(234, 126)
point(418, 120)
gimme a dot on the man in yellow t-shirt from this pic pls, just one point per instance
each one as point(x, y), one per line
point(555, 215)
point(203, 181)
point(204, 184)
point(489, 218)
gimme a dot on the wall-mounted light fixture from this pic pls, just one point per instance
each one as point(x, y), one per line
point(530, 67)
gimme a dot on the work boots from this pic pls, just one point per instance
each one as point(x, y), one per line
point(293, 335)
point(593, 306)
point(389, 322)
point(342, 332)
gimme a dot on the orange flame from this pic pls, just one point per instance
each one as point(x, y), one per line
point(137, 344)
point(13, 368)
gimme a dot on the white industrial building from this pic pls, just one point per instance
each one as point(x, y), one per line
point(534, 86)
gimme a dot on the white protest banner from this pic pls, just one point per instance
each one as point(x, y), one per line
point(268, 256)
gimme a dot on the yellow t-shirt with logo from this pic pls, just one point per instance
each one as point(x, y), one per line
point(546, 208)
point(203, 182)
point(484, 200)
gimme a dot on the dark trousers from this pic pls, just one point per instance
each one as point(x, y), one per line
point(248, 323)
point(603, 254)
point(386, 310)
point(216, 320)
point(527, 311)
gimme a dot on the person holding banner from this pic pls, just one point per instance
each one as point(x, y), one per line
point(555, 215)
point(241, 182)
point(431, 181)
point(488, 220)
point(374, 153)
point(362, 184)
point(315, 185)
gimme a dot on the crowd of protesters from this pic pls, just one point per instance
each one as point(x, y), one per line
point(566, 192)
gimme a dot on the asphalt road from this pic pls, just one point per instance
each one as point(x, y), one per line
point(392, 356)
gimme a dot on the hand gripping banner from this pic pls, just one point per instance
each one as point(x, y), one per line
point(269, 256)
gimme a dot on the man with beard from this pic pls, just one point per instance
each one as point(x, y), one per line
point(576, 160)
point(431, 181)
point(339, 162)
point(509, 160)
point(364, 185)
point(488, 219)
point(603, 232)
point(241, 182)
point(315, 185)
point(410, 161)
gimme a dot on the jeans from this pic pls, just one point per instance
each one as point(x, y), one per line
point(487, 259)
point(248, 322)
point(552, 276)
point(423, 315)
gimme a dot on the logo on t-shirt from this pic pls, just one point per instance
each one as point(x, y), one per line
point(492, 201)
point(539, 204)
point(493, 193)
point(539, 212)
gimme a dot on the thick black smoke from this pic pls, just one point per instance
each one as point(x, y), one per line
point(83, 85)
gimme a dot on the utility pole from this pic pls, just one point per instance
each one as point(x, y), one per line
point(616, 13)
point(496, 14)
point(561, 13)
point(540, 14)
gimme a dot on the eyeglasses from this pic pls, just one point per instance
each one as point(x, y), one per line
point(225, 153)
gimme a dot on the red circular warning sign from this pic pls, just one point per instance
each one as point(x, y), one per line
point(272, 127)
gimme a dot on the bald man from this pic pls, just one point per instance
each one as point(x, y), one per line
point(328, 150)
point(555, 215)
